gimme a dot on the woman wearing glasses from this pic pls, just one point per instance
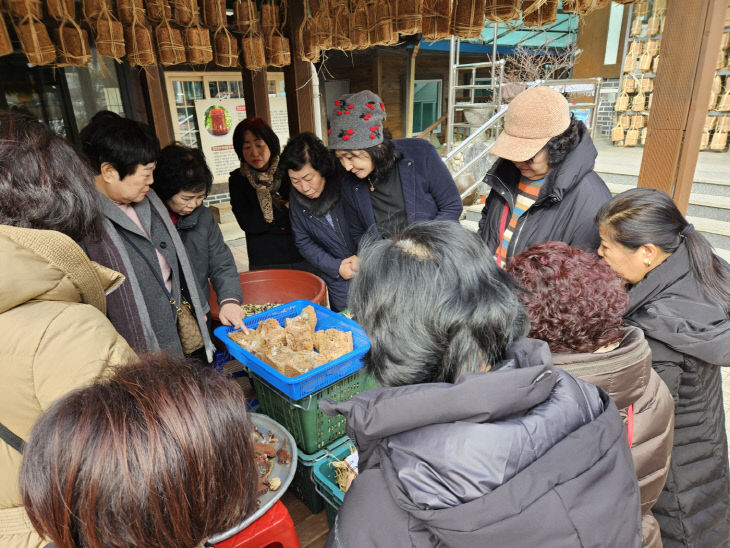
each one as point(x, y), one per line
point(543, 184)
point(321, 232)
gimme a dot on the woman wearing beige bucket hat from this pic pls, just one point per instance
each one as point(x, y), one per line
point(543, 187)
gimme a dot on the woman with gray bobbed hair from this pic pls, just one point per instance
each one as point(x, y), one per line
point(475, 438)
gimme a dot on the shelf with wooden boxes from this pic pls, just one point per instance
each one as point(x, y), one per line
point(638, 71)
point(717, 122)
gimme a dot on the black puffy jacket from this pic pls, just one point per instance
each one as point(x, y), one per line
point(564, 211)
point(689, 335)
point(522, 456)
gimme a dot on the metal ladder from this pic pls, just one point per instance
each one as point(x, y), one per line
point(468, 99)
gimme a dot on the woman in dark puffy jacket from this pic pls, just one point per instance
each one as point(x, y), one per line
point(543, 187)
point(680, 297)
point(321, 231)
point(475, 439)
point(576, 304)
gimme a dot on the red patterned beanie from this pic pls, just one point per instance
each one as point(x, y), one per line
point(357, 121)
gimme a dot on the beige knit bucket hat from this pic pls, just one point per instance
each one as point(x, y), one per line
point(533, 118)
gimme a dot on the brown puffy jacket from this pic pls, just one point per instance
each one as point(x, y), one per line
point(626, 374)
point(54, 337)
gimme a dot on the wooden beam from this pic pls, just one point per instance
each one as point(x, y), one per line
point(378, 73)
point(298, 78)
point(256, 94)
point(158, 110)
point(690, 45)
point(410, 89)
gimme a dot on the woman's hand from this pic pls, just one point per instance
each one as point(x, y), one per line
point(231, 313)
point(349, 267)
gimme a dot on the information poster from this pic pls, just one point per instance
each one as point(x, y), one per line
point(217, 118)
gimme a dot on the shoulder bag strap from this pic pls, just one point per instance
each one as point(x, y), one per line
point(11, 438)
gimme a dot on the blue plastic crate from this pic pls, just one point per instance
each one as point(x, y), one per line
point(303, 385)
point(324, 473)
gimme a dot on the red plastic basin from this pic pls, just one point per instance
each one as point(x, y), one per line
point(276, 286)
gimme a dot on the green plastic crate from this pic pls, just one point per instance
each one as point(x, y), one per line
point(303, 482)
point(310, 427)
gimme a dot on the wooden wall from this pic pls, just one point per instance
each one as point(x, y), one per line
point(592, 43)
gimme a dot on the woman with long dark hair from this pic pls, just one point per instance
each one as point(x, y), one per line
point(389, 183)
point(260, 199)
point(543, 187)
point(321, 230)
point(680, 298)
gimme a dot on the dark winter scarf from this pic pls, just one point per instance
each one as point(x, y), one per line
point(324, 203)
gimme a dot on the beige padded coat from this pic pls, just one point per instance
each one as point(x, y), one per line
point(626, 374)
point(54, 337)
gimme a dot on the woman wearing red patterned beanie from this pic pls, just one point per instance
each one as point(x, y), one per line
point(390, 183)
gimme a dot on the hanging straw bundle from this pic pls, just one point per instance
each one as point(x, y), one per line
point(341, 28)
point(109, 36)
point(652, 47)
point(645, 85)
point(653, 25)
point(61, 9)
point(635, 49)
point(641, 9)
point(502, 11)
point(359, 27)
point(277, 50)
point(723, 123)
point(269, 17)
point(170, 46)
point(35, 42)
point(321, 30)
point(644, 131)
point(705, 142)
point(186, 12)
point(720, 60)
point(719, 141)
point(158, 10)
point(660, 7)
point(617, 132)
point(22, 9)
point(252, 48)
point(467, 18)
point(637, 26)
point(638, 121)
point(625, 119)
point(6, 46)
point(628, 84)
point(436, 19)
point(245, 16)
point(710, 122)
point(382, 33)
point(408, 15)
point(225, 48)
point(538, 13)
point(638, 103)
point(630, 63)
point(645, 62)
point(622, 102)
point(197, 45)
point(214, 13)
point(92, 9)
point(724, 104)
point(140, 52)
point(72, 44)
point(131, 12)
point(581, 7)
point(632, 137)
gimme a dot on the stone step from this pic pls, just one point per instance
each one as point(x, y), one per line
point(222, 212)
point(231, 231)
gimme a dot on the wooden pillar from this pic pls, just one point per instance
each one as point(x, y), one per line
point(410, 83)
point(153, 82)
point(689, 49)
point(256, 94)
point(298, 78)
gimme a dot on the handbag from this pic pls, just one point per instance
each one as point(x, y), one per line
point(187, 325)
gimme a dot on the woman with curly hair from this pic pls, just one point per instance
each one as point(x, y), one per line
point(576, 304)
point(543, 187)
point(182, 181)
point(321, 231)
